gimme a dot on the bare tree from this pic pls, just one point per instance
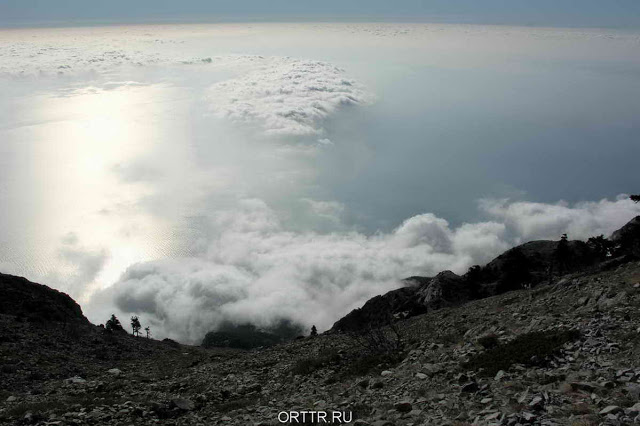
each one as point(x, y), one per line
point(135, 325)
point(147, 329)
point(384, 337)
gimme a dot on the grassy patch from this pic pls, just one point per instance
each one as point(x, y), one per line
point(528, 349)
point(452, 338)
point(306, 366)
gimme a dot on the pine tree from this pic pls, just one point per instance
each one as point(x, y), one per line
point(562, 254)
point(601, 246)
point(113, 324)
point(147, 329)
point(314, 331)
point(135, 325)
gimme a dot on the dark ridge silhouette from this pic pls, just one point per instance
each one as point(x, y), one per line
point(37, 302)
point(248, 336)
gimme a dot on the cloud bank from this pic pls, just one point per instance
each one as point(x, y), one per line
point(255, 270)
point(285, 96)
point(531, 221)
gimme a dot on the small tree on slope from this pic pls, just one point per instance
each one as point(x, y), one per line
point(113, 324)
point(135, 325)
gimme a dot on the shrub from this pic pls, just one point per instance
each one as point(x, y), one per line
point(528, 349)
point(307, 366)
point(489, 342)
point(601, 246)
point(451, 338)
point(372, 362)
point(380, 348)
point(379, 340)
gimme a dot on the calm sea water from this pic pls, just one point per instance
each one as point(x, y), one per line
point(112, 150)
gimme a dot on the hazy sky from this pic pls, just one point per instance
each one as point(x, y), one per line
point(610, 13)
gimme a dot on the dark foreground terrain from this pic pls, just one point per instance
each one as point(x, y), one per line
point(565, 352)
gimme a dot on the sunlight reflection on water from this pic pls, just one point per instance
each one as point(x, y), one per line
point(126, 163)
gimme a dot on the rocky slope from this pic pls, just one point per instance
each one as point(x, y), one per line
point(94, 378)
point(566, 352)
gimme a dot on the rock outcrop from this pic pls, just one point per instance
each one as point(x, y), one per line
point(539, 260)
point(36, 302)
point(628, 237)
point(381, 310)
point(445, 289)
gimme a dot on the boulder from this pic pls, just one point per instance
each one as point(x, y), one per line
point(182, 404)
point(610, 409)
point(76, 380)
point(403, 406)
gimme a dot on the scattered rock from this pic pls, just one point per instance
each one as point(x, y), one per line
point(182, 404)
point(76, 380)
point(403, 406)
point(610, 409)
point(470, 387)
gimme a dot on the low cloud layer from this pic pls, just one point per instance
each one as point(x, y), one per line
point(531, 221)
point(255, 270)
point(285, 96)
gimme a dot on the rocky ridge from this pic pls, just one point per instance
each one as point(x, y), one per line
point(524, 266)
point(37, 302)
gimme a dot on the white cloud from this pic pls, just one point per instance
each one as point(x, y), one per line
point(256, 270)
point(286, 97)
point(532, 221)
